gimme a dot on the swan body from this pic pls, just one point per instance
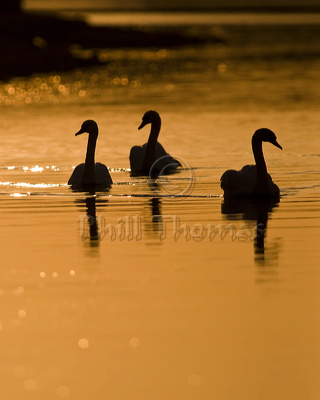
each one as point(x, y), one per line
point(252, 180)
point(89, 172)
point(143, 158)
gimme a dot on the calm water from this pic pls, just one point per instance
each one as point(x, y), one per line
point(174, 299)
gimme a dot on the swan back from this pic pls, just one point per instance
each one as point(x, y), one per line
point(137, 154)
point(102, 175)
point(239, 183)
point(242, 183)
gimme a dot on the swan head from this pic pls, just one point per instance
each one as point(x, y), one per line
point(88, 126)
point(149, 117)
point(266, 135)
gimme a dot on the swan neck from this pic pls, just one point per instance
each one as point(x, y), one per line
point(150, 154)
point(258, 156)
point(89, 174)
point(263, 186)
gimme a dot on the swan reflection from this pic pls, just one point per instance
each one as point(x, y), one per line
point(257, 210)
point(91, 226)
point(92, 220)
point(153, 221)
point(90, 229)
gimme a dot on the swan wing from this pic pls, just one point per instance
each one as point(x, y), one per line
point(160, 151)
point(274, 189)
point(239, 183)
point(249, 172)
point(76, 176)
point(136, 156)
point(266, 187)
point(244, 183)
point(103, 176)
point(168, 160)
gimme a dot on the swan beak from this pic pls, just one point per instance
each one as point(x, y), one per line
point(277, 145)
point(79, 133)
point(143, 123)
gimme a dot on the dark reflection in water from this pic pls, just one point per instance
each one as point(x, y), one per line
point(91, 227)
point(254, 210)
point(90, 230)
point(153, 223)
point(92, 219)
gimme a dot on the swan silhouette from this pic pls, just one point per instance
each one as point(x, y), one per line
point(252, 180)
point(90, 173)
point(142, 158)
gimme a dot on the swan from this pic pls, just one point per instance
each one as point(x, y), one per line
point(142, 158)
point(89, 172)
point(252, 180)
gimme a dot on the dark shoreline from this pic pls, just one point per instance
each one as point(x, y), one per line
point(35, 43)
